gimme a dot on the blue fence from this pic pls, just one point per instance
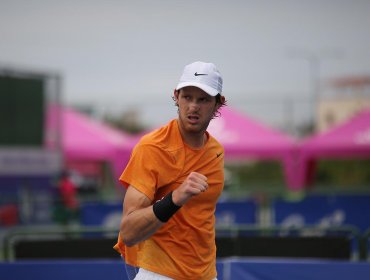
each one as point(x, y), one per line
point(246, 269)
point(227, 213)
point(323, 210)
point(32, 196)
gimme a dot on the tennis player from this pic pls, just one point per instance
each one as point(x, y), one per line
point(174, 178)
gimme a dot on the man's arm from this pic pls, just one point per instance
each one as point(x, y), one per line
point(139, 221)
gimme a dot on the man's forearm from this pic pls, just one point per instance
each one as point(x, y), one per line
point(139, 225)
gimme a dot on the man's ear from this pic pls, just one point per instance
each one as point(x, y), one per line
point(218, 105)
point(176, 95)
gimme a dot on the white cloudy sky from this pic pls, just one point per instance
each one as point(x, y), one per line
point(116, 55)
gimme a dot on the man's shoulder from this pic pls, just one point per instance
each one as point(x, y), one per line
point(166, 137)
point(164, 144)
point(214, 143)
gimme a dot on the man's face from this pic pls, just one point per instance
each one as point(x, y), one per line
point(196, 109)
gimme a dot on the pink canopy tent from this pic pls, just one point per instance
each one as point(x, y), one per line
point(243, 137)
point(85, 139)
point(347, 140)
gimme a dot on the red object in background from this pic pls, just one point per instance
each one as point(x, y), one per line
point(68, 193)
point(9, 215)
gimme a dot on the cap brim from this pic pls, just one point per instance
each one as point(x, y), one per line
point(211, 91)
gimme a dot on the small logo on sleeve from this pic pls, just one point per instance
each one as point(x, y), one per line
point(218, 155)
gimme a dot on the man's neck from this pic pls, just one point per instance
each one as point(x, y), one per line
point(193, 139)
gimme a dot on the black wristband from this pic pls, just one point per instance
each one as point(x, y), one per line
point(165, 208)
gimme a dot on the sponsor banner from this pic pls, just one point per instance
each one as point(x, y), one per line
point(109, 214)
point(28, 161)
point(230, 213)
point(324, 211)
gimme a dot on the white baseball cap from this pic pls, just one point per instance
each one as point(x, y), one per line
point(202, 75)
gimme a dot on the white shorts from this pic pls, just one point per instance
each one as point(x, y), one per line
point(144, 274)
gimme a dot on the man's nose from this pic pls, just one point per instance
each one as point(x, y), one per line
point(194, 105)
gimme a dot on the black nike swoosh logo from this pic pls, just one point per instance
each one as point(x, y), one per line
point(218, 154)
point(198, 74)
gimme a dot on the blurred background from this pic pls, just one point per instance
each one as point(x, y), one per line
point(81, 81)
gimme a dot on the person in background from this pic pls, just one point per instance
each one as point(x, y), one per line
point(68, 205)
point(174, 178)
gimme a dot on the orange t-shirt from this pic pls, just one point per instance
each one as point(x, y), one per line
point(184, 247)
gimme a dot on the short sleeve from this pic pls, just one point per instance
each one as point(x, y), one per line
point(149, 168)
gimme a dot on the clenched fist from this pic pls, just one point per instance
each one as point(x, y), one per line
point(194, 184)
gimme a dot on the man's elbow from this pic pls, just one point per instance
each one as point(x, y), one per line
point(129, 242)
point(128, 238)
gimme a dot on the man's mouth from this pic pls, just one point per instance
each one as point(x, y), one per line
point(193, 118)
